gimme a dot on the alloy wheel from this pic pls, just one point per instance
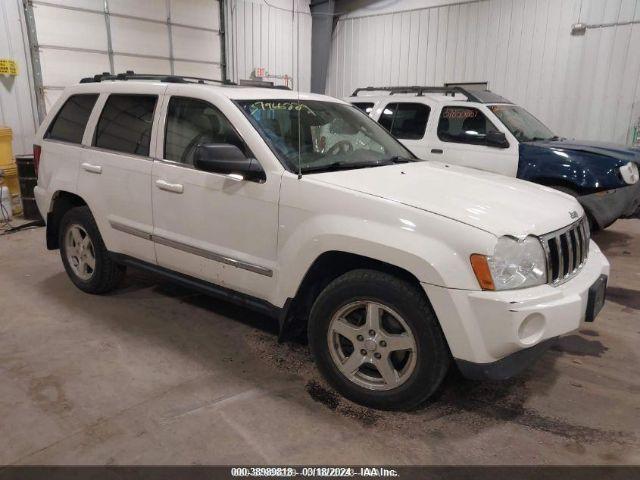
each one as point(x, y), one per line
point(372, 345)
point(80, 252)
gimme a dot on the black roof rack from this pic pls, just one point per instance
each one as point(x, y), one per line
point(480, 96)
point(131, 75)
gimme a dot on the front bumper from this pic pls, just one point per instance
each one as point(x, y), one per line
point(485, 327)
point(607, 206)
point(506, 367)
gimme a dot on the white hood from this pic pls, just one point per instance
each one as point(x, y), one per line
point(497, 204)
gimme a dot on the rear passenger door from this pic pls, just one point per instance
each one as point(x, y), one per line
point(115, 171)
point(407, 121)
point(62, 145)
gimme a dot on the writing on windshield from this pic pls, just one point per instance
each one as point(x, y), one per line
point(311, 135)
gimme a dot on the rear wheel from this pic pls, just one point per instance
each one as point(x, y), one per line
point(377, 340)
point(84, 254)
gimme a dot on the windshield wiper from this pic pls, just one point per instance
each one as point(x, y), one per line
point(346, 166)
point(543, 139)
point(399, 159)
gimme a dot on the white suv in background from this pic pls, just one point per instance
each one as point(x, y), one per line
point(479, 129)
point(302, 207)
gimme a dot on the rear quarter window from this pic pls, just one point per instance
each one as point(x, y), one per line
point(70, 122)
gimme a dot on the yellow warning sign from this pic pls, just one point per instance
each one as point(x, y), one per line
point(8, 67)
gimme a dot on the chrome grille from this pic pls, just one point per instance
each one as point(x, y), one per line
point(567, 250)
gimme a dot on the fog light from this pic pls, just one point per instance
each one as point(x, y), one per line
point(531, 329)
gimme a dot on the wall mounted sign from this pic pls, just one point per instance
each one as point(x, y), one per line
point(8, 67)
point(263, 73)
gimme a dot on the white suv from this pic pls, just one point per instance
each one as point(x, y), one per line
point(479, 129)
point(302, 207)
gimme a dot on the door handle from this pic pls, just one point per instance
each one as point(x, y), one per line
point(169, 187)
point(437, 150)
point(92, 168)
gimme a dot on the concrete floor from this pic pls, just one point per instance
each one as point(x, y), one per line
point(157, 374)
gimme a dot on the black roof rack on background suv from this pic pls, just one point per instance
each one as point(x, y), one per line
point(480, 96)
point(131, 75)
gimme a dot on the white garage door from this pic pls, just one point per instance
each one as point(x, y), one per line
point(80, 38)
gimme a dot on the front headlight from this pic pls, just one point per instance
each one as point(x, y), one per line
point(514, 264)
point(629, 173)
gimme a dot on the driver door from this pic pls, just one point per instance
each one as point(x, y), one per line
point(459, 138)
point(209, 225)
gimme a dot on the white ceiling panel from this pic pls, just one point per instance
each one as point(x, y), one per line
point(198, 70)
point(69, 28)
point(62, 68)
point(195, 44)
point(152, 9)
point(197, 13)
point(122, 63)
point(135, 36)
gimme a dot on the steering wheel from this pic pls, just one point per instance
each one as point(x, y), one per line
point(343, 146)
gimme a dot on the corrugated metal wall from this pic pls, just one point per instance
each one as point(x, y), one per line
point(581, 86)
point(17, 103)
point(268, 34)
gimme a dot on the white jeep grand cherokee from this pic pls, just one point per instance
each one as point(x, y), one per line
point(302, 207)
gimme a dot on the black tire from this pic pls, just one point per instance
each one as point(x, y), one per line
point(433, 358)
point(107, 274)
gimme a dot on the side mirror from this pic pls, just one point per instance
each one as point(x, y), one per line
point(227, 159)
point(496, 139)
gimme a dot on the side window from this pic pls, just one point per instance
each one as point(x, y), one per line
point(125, 124)
point(192, 122)
point(386, 117)
point(407, 121)
point(464, 125)
point(366, 107)
point(71, 120)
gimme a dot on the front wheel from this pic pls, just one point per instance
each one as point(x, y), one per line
point(377, 340)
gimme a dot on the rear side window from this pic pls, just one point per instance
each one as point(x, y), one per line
point(406, 121)
point(464, 125)
point(125, 124)
point(72, 118)
point(366, 107)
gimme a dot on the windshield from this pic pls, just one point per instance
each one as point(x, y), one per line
point(330, 135)
point(524, 126)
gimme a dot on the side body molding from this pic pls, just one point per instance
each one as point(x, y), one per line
point(260, 270)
